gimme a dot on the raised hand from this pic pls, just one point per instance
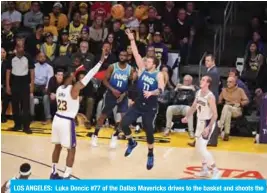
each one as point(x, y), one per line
point(129, 34)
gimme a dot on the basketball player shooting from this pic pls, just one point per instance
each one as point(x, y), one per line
point(206, 108)
point(150, 84)
point(63, 126)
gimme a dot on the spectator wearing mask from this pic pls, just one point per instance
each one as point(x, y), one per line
point(185, 95)
point(129, 20)
point(102, 8)
point(83, 8)
point(152, 22)
point(75, 28)
point(234, 73)
point(87, 58)
point(12, 15)
point(33, 17)
point(50, 28)
point(168, 38)
point(4, 97)
point(253, 62)
point(43, 72)
point(7, 37)
point(49, 47)
point(151, 53)
point(142, 35)
point(98, 34)
point(57, 18)
point(235, 99)
point(161, 50)
point(53, 85)
point(63, 45)
point(20, 85)
point(169, 14)
point(256, 38)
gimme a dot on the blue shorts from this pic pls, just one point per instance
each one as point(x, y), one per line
point(110, 101)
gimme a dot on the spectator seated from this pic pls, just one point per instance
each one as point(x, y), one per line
point(235, 99)
point(183, 99)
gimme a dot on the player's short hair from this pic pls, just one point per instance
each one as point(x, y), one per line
point(155, 60)
point(66, 76)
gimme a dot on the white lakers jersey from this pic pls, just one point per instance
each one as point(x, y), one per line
point(66, 105)
point(204, 111)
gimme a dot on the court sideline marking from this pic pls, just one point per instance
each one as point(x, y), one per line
point(34, 161)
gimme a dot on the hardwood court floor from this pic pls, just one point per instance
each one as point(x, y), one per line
point(238, 158)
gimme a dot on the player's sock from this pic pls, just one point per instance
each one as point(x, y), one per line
point(150, 152)
point(97, 129)
point(54, 168)
point(67, 172)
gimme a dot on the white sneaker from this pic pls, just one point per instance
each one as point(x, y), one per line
point(203, 174)
point(94, 140)
point(216, 174)
point(113, 142)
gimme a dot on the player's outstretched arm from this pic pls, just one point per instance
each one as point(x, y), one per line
point(137, 56)
point(82, 83)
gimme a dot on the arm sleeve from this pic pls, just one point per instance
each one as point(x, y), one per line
point(90, 74)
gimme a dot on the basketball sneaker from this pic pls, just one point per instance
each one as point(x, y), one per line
point(203, 173)
point(94, 140)
point(130, 148)
point(150, 162)
point(55, 176)
point(113, 142)
point(191, 134)
point(216, 174)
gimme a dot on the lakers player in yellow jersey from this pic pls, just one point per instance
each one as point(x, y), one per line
point(205, 105)
point(63, 126)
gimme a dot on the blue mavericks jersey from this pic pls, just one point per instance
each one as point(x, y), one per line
point(119, 78)
point(147, 81)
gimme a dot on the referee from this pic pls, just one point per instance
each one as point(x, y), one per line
point(19, 84)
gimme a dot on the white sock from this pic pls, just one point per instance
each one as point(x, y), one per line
point(67, 172)
point(54, 168)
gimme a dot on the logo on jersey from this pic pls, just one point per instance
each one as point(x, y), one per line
point(61, 94)
point(123, 77)
point(148, 79)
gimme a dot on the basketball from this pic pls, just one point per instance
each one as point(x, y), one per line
point(141, 12)
point(117, 11)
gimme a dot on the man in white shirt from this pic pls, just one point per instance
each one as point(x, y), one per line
point(12, 15)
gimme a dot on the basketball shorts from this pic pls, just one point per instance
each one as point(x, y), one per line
point(201, 125)
point(63, 131)
point(110, 101)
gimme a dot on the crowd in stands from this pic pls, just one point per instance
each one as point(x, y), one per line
point(43, 40)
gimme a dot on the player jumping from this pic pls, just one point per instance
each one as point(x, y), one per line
point(150, 84)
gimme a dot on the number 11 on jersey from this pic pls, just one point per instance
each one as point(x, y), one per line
point(119, 84)
point(146, 87)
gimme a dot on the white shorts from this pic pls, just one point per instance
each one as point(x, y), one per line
point(201, 125)
point(63, 132)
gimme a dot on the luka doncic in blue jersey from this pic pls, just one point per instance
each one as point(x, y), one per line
point(147, 81)
point(119, 78)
